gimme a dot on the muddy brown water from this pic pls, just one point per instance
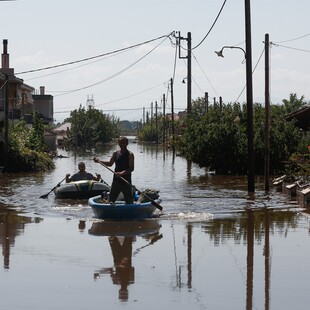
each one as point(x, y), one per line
point(210, 248)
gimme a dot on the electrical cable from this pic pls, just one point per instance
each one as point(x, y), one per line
point(292, 48)
point(308, 34)
point(259, 58)
point(112, 76)
point(218, 15)
point(123, 98)
point(205, 75)
point(93, 57)
point(69, 69)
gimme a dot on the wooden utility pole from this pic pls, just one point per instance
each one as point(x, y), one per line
point(249, 87)
point(267, 114)
point(156, 121)
point(189, 73)
point(6, 122)
point(172, 115)
point(164, 119)
point(206, 102)
point(189, 68)
point(151, 116)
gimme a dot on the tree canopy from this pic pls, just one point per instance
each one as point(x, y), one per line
point(27, 150)
point(89, 127)
point(218, 139)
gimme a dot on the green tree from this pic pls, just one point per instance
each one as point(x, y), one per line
point(89, 127)
point(35, 137)
point(26, 147)
point(219, 139)
point(293, 103)
point(148, 133)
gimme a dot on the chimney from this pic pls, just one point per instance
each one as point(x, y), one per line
point(5, 55)
point(42, 90)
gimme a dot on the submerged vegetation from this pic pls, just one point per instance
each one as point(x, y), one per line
point(216, 136)
point(27, 151)
point(90, 127)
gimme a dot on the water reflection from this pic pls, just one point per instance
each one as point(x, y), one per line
point(216, 240)
point(121, 236)
point(253, 227)
point(248, 235)
point(184, 187)
point(11, 226)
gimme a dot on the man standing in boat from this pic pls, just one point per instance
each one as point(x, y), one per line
point(124, 166)
point(82, 174)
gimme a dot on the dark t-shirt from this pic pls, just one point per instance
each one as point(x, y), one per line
point(79, 176)
point(122, 163)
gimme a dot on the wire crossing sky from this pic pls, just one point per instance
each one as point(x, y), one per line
point(123, 53)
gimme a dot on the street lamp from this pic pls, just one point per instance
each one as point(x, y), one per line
point(250, 131)
point(220, 53)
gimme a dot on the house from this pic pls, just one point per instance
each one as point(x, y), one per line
point(18, 99)
point(16, 96)
point(302, 116)
point(44, 104)
point(61, 134)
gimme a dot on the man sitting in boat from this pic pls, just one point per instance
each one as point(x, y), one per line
point(82, 174)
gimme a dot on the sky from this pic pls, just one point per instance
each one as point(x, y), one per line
point(131, 52)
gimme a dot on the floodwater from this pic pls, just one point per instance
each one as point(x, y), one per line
point(210, 247)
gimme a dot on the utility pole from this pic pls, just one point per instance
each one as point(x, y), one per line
point(189, 73)
point(249, 86)
point(151, 116)
point(221, 103)
point(164, 119)
point(267, 114)
point(156, 121)
point(172, 114)
point(206, 102)
point(189, 68)
point(6, 122)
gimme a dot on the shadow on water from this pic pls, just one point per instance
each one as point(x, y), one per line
point(122, 236)
point(12, 225)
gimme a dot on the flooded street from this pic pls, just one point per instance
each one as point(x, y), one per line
point(210, 247)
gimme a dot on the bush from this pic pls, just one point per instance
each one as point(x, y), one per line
point(26, 160)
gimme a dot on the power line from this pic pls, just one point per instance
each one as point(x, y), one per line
point(93, 57)
point(120, 99)
point(301, 37)
point(69, 69)
point(205, 75)
point(118, 110)
point(218, 15)
point(112, 76)
point(135, 94)
point(259, 58)
point(292, 48)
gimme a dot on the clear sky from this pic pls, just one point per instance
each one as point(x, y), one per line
point(43, 33)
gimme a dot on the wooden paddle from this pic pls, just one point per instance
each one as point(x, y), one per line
point(154, 203)
point(45, 196)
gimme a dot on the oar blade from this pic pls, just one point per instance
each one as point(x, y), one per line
point(157, 205)
point(45, 196)
point(154, 203)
